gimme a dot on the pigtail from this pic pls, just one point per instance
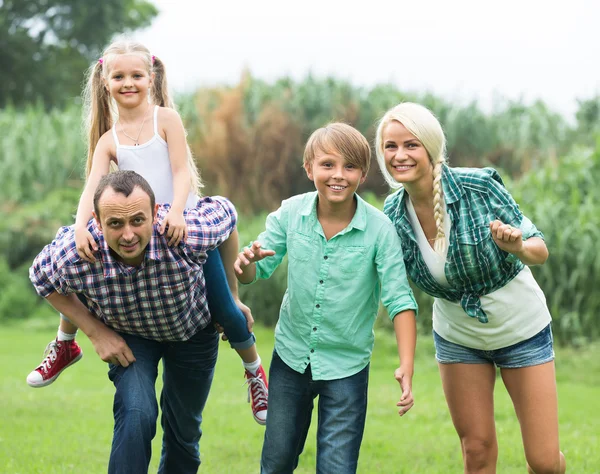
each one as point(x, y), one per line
point(98, 116)
point(438, 206)
point(160, 89)
point(160, 96)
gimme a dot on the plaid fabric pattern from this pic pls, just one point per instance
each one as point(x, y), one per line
point(475, 265)
point(163, 299)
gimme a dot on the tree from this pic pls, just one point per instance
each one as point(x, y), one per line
point(46, 45)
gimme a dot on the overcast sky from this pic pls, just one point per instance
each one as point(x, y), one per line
point(459, 49)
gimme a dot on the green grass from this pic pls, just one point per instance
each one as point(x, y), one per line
point(67, 427)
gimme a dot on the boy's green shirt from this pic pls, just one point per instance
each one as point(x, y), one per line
point(334, 287)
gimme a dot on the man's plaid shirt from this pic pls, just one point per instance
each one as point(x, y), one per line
point(475, 265)
point(163, 299)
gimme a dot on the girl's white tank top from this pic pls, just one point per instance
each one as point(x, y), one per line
point(151, 160)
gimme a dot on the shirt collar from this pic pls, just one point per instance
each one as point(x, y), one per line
point(359, 220)
point(452, 188)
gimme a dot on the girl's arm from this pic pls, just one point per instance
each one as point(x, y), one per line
point(182, 178)
point(84, 241)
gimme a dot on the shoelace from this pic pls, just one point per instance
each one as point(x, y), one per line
point(257, 386)
point(49, 356)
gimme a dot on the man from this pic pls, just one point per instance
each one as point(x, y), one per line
point(144, 301)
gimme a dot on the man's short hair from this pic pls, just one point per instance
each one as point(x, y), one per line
point(123, 182)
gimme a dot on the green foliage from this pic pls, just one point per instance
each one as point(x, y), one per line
point(27, 229)
point(18, 298)
point(40, 152)
point(46, 45)
point(563, 199)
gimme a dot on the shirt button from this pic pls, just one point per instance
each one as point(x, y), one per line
point(321, 282)
point(312, 350)
point(318, 306)
point(325, 257)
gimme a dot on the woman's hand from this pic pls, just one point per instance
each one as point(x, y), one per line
point(506, 237)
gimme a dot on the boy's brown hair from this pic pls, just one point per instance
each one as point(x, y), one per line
point(339, 139)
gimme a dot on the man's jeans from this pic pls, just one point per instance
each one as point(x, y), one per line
point(188, 369)
point(342, 411)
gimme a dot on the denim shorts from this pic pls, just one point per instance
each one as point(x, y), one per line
point(533, 351)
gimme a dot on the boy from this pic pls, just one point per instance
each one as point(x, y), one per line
point(343, 256)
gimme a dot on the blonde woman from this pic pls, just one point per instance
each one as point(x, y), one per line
point(466, 243)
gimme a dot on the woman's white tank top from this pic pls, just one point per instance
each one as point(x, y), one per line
point(151, 160)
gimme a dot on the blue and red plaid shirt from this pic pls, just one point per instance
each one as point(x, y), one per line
point(164, 298)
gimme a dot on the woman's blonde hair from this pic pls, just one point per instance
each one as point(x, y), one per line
point(99, 108)
point(340, 139)
point(421, 122)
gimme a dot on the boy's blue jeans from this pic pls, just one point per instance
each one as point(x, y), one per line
point(188, 369)
point(342, 412)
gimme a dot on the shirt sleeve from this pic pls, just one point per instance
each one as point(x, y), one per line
point(506, 209)
point(47, 271)
point(396, 293)
point(273, 238)
point(210, 223)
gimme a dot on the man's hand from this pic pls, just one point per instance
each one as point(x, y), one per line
point(111, 347)
point(246, 312)
point(404, 378)
point(250, 255)
point(506, 237)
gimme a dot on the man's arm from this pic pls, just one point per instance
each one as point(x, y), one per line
point(111, 347)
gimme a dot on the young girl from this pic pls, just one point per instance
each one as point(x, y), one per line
point(149, 138)
point(466, 243)
point(344, 256)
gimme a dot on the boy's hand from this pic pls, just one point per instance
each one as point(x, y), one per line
point(506, 237)
point(250, 255)
point(85, 244)
point(404, 378)
point(177, 227)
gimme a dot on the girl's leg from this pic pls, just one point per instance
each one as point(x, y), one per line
point(533, 392)
point(67, 326)
point(469, 391)
point(226, 313)
point(223, 309)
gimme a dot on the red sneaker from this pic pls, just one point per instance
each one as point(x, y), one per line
point(258, 392)
point(57, 357)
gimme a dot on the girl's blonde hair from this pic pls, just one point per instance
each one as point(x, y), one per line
point(421, 122)
point(99, 108)
point(340, 139)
